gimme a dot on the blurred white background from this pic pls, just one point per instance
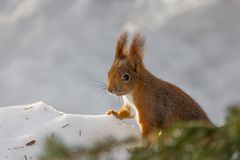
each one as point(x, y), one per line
point(55, 50)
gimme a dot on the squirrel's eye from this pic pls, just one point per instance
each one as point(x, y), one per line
point(125, 77)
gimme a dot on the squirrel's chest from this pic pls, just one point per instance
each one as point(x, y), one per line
point(128, 100)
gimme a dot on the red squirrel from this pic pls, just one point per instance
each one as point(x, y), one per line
point(157, 103)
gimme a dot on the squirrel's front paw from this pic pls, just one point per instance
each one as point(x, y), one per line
point(112, 112)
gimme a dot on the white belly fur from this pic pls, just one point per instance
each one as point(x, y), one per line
point(128, 100)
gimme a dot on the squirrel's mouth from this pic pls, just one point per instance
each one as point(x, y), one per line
point(118, 93)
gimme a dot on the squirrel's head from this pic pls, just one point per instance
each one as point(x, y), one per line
point(125, 73)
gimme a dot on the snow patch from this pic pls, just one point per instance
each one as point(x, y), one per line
point(24, 128)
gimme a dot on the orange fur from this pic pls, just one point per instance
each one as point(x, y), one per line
point(158, 103)
point(123, 113)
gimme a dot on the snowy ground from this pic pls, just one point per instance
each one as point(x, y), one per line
point(55, 50)
point(23, 130)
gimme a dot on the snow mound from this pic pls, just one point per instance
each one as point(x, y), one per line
point(23, 129)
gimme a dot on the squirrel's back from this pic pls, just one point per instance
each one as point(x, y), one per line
point(160, 103)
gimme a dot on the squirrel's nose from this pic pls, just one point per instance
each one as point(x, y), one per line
point(110, 89)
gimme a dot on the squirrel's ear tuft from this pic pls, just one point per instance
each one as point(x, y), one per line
point(136, 49)
point(121, 48)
